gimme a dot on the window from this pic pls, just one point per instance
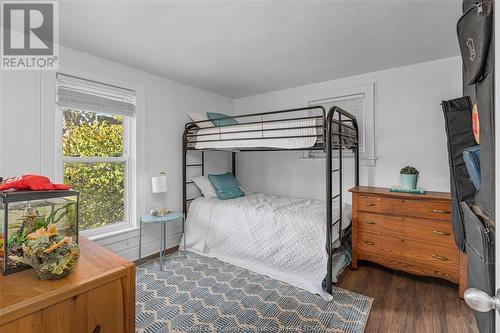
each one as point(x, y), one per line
point(95, 149)
point(359, 102)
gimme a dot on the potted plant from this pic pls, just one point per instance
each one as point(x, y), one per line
point(408, 177)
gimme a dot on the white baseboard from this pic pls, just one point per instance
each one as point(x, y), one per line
point(126, 244)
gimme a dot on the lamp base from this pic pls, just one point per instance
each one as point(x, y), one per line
point(159, 212)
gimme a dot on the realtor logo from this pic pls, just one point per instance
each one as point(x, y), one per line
point(29, 35)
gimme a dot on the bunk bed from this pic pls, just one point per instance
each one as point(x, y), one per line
point(298, 129)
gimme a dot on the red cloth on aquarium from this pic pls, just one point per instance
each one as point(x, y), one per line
point(31, 182)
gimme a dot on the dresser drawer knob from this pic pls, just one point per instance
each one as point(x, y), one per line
point(369, 222)
point(441, 233)
point(439, 211)
point(435, 256)
point(369, 243)
point(369, 204)
point(97, 329)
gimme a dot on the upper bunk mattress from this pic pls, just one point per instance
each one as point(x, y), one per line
point(292, 135)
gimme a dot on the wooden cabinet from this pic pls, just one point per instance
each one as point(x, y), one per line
point(407, 232)
point(98, 296)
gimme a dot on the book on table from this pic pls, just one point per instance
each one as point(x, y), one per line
point(407, 190)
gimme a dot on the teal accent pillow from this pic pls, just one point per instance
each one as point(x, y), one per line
point(222, 122)
point(226, 186)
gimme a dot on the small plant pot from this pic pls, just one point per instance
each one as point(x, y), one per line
point(408, 181)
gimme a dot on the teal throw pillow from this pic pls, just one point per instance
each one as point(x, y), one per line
point(221, 122)
point(226, 186)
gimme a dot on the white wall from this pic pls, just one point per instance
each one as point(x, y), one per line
point(27, 133)
point(409, 129)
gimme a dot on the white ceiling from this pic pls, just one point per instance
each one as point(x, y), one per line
point(241, 48)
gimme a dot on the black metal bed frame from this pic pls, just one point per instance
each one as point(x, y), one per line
point(343, 119)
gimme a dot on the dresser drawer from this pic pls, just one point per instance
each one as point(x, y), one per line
point(432, 231)
point(427, 256)
point(441, 258)
point(380, 224)
point(380, 245)
point(438, 210)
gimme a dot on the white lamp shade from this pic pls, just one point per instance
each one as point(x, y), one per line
point(159, 184)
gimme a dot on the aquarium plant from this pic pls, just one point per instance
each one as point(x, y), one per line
point(51, 255)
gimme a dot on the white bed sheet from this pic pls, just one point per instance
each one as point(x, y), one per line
point(278, 236)
point(259, 135)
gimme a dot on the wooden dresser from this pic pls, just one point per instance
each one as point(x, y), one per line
point(97, 296)
point(408, 232)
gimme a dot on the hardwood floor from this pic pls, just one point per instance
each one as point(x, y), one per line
point(407, 303)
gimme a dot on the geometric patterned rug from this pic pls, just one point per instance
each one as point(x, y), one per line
point(200, 294)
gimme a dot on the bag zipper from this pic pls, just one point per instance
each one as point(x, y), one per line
point(478, 5)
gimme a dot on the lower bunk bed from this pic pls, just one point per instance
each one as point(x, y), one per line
point(277, 236)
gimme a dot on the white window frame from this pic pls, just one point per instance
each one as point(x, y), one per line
point(367, 155)
point(128, 156)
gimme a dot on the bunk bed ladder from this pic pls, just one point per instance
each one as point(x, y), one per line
point(186, 182)
point(329, 179)
point(329, 197)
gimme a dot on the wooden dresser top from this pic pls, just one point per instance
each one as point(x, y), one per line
point(23, 291)
point(382, 191)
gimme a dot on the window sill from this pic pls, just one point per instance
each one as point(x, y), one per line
point(107, 234)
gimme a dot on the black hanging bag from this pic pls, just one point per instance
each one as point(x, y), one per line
point(474, 29)
point(458, 126)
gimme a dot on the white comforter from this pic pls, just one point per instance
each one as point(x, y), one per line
point(259, 135)
point(281, 237)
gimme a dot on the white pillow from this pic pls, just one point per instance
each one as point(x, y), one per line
point(200, 116)
point(205, 186)
point(245, 191)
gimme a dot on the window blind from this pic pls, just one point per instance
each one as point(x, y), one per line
point(81, 94)
point(354, 104)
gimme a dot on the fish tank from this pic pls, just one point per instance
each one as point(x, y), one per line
point(24, 212)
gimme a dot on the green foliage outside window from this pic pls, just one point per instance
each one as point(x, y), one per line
point(101, 184)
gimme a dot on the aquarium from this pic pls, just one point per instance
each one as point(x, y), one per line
point(24, 212)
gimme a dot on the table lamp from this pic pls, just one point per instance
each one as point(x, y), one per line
point(159, 185)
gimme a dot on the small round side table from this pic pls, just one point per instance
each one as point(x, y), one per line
point(163, 220)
